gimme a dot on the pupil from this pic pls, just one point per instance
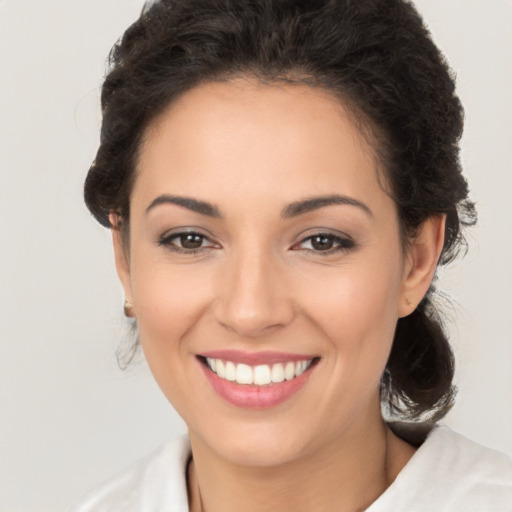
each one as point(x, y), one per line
point(191, 241)
point(322, 243)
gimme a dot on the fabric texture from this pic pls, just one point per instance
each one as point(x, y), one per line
point(448, 473)
point(156, 483)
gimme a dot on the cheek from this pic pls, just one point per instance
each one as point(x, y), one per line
point(356, 308)
point(168, 302)
point(357, 319)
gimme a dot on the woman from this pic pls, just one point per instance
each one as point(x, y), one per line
point(282, 179)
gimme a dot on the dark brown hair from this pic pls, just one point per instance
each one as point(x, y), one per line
point(378, 57)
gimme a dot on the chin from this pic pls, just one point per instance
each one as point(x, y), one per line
point(257, 444)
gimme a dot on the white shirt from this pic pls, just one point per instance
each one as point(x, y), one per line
point(448, 473)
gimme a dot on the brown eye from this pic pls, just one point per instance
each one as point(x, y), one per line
point(322, 242)
point(325, 243)
point(191, 240)
point(187, 241)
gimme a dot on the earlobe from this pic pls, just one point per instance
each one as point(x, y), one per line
point(121, 258)
point(423, 256)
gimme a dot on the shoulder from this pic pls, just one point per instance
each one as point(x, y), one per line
point(480, 468)
point(451, 473)
point(156, 482)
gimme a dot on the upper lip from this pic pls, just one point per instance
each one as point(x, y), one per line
point(255, 358)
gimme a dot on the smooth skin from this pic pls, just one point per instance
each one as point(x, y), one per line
point(329, 282)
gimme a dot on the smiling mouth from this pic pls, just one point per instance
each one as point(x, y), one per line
point(257, 375)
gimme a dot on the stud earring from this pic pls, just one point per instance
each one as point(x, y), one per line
point(128, 309)
point(408, 301)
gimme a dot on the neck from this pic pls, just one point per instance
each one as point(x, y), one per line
point(352, 471)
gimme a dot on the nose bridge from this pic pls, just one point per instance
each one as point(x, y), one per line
point(253, 297)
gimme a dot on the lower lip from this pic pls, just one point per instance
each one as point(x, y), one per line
point(256, 397)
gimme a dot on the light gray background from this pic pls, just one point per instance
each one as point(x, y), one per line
point(69, 418)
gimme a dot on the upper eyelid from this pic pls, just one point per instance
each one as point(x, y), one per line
point(309, 233)
point(344, 242)
point(336, 238)
point(169, 236)
point(167, 242)
point(186, 231)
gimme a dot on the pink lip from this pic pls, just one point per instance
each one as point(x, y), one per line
point(255, 358)
point(255, 397)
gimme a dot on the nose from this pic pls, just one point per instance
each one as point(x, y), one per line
point(253, 299)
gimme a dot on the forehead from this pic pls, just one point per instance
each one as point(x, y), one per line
point(253, 141)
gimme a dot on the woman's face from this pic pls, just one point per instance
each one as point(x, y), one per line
point(261, 238)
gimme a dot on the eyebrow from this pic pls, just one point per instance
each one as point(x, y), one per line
point(314, 203)
point(292, 210)
point(194, 205)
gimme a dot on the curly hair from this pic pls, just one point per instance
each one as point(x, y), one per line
point(378, 57)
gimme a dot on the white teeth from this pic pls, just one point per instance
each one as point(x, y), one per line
point(289, 371)
point(260, 375)
point(221, 372)
point(244, 374)
point(277, 373)
point(230, 371)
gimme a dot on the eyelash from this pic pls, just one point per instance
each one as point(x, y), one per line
point(340, 244)
point(168, 242)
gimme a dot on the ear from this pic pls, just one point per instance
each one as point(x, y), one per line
point(121, 257)
point(422, 257)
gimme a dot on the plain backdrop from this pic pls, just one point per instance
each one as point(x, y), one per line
point(69, 417)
